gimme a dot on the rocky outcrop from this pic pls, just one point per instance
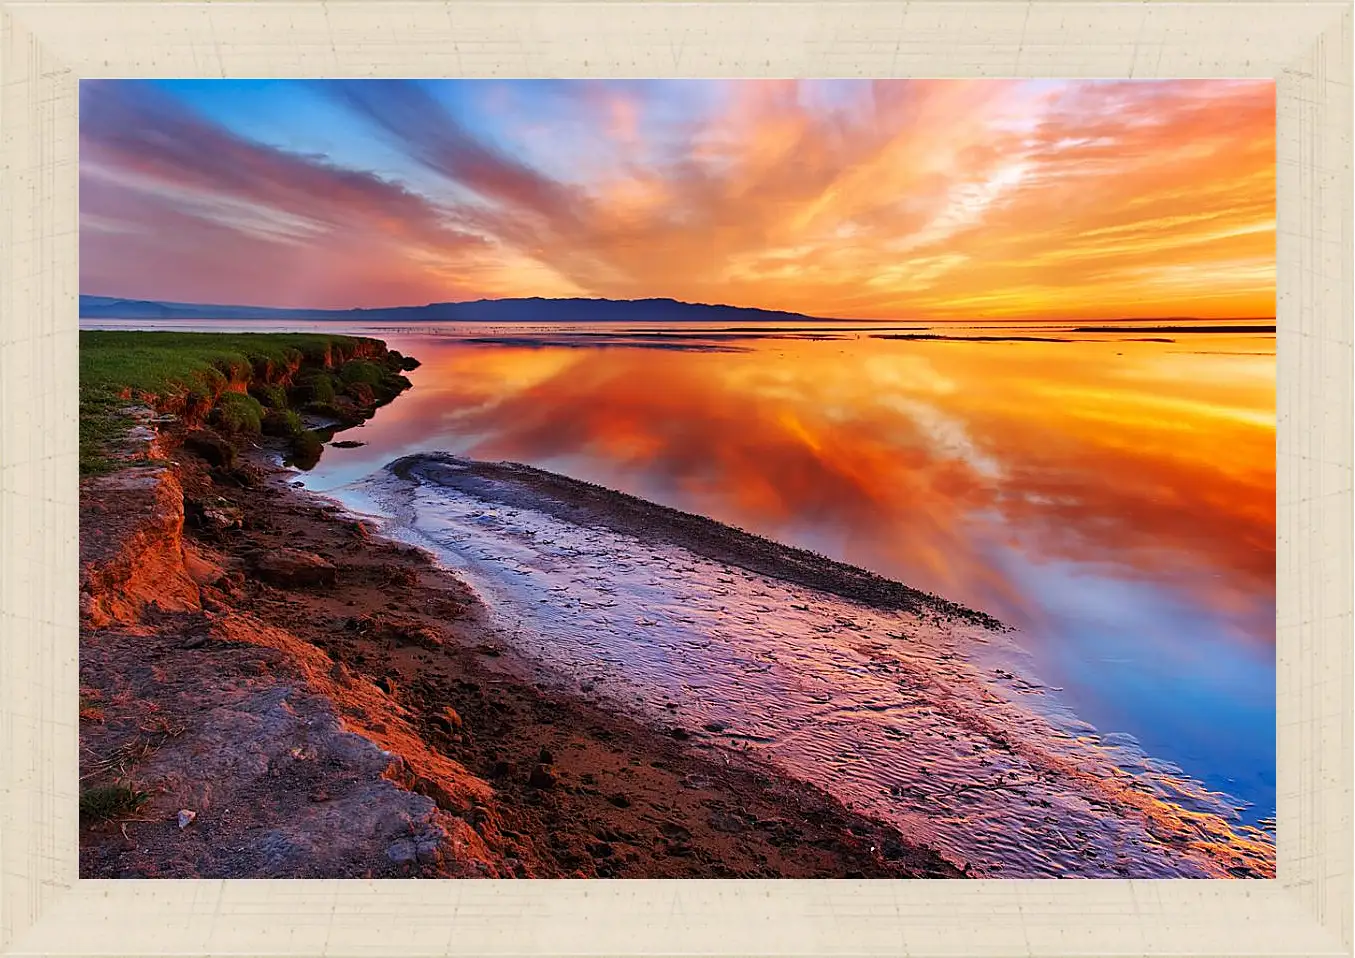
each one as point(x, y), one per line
point(257, 754)
point(278, 783)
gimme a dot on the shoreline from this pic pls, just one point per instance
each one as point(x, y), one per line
point(357, 716)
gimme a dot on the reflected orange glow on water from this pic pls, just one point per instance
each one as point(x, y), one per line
point(913, 459)
point(1112, 498)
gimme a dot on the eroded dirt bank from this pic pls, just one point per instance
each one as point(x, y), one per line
point(321, 702)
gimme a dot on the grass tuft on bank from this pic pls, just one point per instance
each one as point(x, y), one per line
point(241, 383)
point(105, 802)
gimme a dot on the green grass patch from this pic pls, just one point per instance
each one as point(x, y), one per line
point(102, 802)
point(362, 371)
point(282, 422)
point(167, 364)
point(101, 422)
point(187, 373)
point(238, 413)
point(270, 395)
point(314, 386)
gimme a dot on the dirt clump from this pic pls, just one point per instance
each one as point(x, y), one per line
point(292, 567)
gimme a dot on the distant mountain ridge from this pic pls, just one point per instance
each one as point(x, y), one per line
point(534, 309)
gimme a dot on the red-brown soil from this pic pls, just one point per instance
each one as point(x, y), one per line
point(344, 710)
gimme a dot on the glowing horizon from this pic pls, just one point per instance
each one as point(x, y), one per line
point(905, 199)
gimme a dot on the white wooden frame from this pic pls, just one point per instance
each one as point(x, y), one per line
point(45, 47)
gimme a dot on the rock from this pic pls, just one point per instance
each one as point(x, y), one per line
point(222, 518)
point(423, 847)
point(416, 634)
point(891, 850)
point(546, 758)
point(186, 817)
point(723, 821)
point(501, 769)
point(292, 567)
point(675, 830)
point(601, 850)
point(681, 734)
point(347, 444)
point(214, 515)
point(386, 684)
point(211, 447)
point(716, 727)
point(448, 720)
point(543, 777)
point(320, 795)
point(194, 641)
point(619, 800)
point(200, 569)
point(248, 475)
point(696, 781)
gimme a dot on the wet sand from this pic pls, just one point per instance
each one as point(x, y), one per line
point(910, 708)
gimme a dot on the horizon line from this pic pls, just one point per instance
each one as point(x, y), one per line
point(665, 299)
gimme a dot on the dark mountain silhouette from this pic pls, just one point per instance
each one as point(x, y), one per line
point(483, 310)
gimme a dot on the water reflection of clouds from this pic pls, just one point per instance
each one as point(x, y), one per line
point(894, 450)
point(1104, 496)
point(1190, 683)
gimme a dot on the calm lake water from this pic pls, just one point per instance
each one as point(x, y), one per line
point(1111, 495)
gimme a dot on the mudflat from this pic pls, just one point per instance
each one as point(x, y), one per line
point(317, 701)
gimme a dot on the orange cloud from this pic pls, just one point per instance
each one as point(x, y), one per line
point(936, 199)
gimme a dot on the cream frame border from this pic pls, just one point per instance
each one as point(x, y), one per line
point(46, 46)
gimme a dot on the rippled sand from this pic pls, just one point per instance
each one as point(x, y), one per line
point(912, 710)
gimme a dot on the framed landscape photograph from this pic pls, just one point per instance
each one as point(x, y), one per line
point(756, 478)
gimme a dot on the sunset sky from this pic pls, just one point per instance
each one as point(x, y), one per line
point(902, 199)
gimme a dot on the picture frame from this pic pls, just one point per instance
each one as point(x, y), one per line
point(47, 47)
